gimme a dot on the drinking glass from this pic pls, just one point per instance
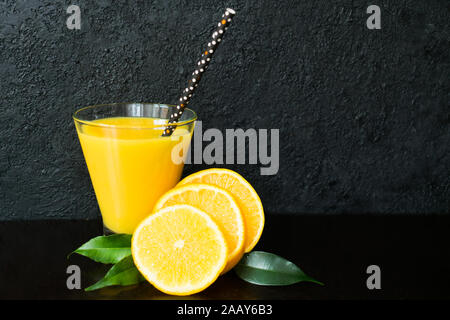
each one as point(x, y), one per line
point(130, 163)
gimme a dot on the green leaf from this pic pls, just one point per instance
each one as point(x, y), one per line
point(107, 249)
point(268, 269)
point(123, 273)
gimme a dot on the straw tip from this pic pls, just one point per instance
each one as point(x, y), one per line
point(231, 11)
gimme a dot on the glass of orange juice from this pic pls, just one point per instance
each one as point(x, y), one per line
point(130, 164)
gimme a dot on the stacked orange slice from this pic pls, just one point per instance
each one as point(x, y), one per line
point(179, 247)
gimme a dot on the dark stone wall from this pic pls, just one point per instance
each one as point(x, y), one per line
point(363, 114)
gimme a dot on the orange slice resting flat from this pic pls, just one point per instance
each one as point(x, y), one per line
point(179, 249)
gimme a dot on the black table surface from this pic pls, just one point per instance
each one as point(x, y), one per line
point(411, 251)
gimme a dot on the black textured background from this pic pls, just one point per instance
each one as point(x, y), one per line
point(363, 114)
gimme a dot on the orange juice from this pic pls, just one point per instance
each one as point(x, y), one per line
point(131, 165)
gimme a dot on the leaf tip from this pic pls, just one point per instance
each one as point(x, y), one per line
point(316, 282)
point(92, 287)
point(70, 254)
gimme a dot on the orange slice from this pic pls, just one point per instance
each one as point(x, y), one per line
point(246, 197)
point(179, 249)
point(220, 205)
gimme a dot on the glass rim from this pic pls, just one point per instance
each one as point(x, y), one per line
point(156, 126)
